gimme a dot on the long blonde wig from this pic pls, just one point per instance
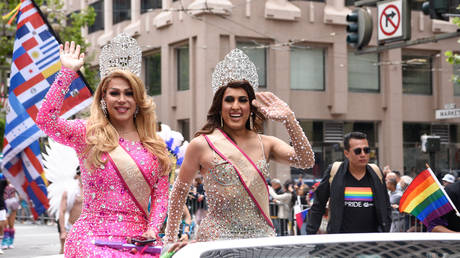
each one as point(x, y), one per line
point(102, 137)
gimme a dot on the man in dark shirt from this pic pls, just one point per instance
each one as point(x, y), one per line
point(358, 197)
point(359, 212)
point(449, 223)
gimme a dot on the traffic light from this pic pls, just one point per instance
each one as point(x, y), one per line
point(436, 9)
point(359, 28)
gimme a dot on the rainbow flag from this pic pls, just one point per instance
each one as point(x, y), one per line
point(300, 217)
point(425, 198)
point(358, 194)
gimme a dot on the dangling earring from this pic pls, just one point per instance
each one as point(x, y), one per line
point(104, 107)
point(136, 112)
point(251, 122)
point(221, 121)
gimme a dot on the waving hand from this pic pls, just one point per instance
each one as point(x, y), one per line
point(71, 57)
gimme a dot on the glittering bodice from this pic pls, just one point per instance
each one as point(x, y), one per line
point(106, 195)
point(231, 212)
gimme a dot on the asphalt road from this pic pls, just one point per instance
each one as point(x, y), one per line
point(34, 241)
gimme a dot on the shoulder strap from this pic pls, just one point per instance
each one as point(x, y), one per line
point(376, 170)
point(262, 145)
point(335, 167)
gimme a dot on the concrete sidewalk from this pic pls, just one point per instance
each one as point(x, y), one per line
point(34, 240)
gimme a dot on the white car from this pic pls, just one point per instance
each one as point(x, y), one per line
point(334, 245)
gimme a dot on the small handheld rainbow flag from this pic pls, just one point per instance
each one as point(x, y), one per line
point(425, 198)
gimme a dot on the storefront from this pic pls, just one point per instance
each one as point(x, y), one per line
point(444, 160)
point(326, 138)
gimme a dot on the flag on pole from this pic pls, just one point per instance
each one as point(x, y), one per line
point(425, 198)
point(35, 64)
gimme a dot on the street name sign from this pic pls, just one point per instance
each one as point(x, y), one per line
point(447, 113)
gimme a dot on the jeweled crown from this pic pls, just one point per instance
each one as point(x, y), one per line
point(236, 66)
point(122, 53)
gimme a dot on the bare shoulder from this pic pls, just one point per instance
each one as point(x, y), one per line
point(197, 146)
point(269, 143)
point(195, 156)
point(198, 143)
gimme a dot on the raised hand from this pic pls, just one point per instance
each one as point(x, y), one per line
point(300, 155)
point(272, 107)
point(70, 56)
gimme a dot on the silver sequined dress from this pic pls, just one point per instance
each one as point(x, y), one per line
point(231, 212)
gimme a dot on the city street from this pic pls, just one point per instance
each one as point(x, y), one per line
point(34, 241)
point(277, 128)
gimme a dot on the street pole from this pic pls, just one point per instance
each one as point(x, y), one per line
point(433, 160)
point(403, 44)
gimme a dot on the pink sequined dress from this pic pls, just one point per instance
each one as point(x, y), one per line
point(109, 213)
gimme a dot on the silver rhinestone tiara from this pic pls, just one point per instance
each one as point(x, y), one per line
point(236, 66)
point(122, 53)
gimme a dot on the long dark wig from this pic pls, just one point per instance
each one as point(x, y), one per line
point(214, 113)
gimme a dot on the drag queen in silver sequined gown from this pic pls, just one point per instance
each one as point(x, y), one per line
point(233, 157)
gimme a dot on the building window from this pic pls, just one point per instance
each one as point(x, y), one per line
point(363, 73)
point(153, 74)
point(454, 150)
point(99, 19)
point(184, 127)
point(350, 2)
point(121, 10)
point(416, 5)
point(183, 79)
point(414, 158)
point(456, 79)
point(441, 161)
point(148, 5)
point(258, 55)
point(417, 76)
point(307, 68)
point(326, 151)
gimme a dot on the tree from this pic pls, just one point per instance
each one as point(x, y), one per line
point(452, 57)
point(68, 28)
point(6, 33)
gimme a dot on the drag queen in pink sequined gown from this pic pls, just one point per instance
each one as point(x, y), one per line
point(233, 157)
point(112, 208)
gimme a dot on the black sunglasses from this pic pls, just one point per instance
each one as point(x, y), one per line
point(366, 150)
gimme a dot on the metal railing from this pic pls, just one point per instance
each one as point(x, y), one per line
point(401, 222)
